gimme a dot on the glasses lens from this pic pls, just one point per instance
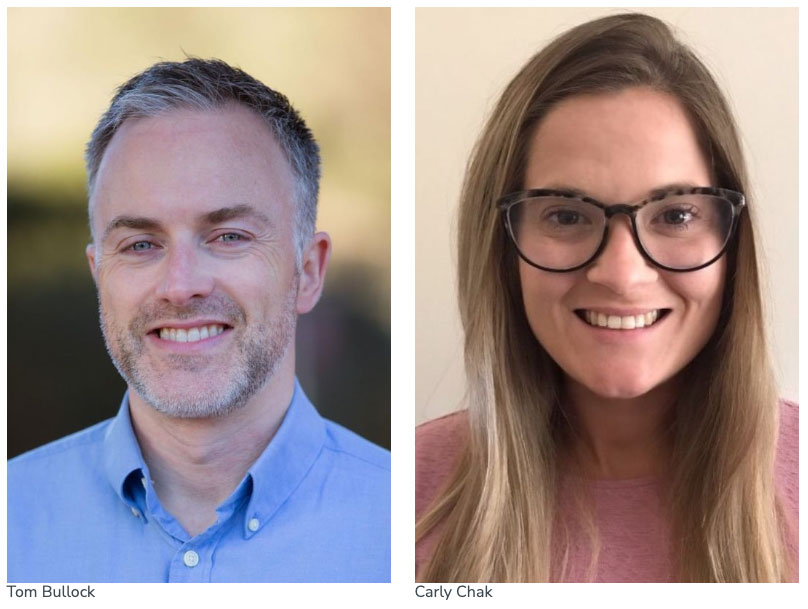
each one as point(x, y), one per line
point(685, 231)
point(556, 232)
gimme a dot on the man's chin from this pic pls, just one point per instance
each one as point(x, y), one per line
point(194, 400)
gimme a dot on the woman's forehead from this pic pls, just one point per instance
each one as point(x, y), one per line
point(616, 146)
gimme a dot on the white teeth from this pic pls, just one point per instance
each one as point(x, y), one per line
point(618, 322)
point(191, 335)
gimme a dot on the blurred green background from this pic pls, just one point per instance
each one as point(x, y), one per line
point(63, 67)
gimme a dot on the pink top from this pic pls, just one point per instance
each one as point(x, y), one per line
point(629, 516)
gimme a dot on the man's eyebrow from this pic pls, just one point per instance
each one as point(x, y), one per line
point(134, 222)
point(232, 213)
point(214, 217)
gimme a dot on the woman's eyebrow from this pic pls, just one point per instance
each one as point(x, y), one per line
point(662, 190)
point(560, 186)
point(568, 190)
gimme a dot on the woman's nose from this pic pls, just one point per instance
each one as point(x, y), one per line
point(621, 267)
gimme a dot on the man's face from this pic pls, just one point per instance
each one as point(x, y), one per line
point(194, 260)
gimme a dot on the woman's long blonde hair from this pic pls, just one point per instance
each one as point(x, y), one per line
point(496, 515)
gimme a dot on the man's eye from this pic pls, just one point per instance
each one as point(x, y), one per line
point(230, 237)
point(140, 246)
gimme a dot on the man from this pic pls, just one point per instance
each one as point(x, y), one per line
point(202, 201)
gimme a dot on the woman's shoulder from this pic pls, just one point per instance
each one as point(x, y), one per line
point(788, 450)
point(438, 446)
point(454, 424)
point(787, 475)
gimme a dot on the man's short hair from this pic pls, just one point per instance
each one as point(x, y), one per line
point(207, 84)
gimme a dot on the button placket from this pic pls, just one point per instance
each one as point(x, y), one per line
point(190, 558)
point(193, 559)
point(191, 563)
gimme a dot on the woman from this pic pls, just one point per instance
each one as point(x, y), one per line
point(622, 422)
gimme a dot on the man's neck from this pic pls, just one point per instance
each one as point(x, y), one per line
point(195, 464)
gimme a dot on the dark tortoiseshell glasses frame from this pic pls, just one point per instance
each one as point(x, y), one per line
point(506, 203)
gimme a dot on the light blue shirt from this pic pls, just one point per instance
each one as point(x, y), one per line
point(314, 507)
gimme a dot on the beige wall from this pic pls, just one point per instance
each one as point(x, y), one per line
point(464, 58)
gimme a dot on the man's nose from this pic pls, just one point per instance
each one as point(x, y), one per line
point(621, 266)
point(184, 275)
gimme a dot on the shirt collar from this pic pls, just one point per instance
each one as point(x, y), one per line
point(285, 462)
point(121, 453)
point(274, 476)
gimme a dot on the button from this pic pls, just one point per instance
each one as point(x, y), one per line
point(135, 512)
point(190, 558)
point(253, 524)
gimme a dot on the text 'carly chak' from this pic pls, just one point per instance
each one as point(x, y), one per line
point(461, 591)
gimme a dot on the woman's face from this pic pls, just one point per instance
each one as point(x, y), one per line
point(617, 148)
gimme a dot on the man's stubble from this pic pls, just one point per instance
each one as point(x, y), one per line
point(259, 353)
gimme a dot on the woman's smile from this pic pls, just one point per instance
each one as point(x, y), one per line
point(613, 320)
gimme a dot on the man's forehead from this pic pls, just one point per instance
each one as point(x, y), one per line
point(194, 162)
point(231, 115)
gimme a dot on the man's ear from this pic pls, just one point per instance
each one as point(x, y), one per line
point(312, 274)
point(90, 252)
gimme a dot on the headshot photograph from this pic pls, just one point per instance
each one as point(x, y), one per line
point(199, 295)
point(606, 311)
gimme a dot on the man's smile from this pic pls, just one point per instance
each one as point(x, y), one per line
point(190, 335)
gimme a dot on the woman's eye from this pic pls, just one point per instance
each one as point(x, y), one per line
point(567, 218)
point(676, 216)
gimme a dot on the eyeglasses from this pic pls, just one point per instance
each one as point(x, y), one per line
point(677, 230)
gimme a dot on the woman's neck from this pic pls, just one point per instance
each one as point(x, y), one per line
point(617, 438)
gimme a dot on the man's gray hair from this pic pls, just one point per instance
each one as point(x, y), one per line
point(207, 84)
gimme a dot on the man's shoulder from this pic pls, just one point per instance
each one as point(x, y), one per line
point(51, 488)
point(61, 453)
point(355, 449)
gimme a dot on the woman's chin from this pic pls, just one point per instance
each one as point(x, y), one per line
point(617, 386)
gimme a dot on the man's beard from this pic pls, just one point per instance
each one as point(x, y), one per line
point(259, 353)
